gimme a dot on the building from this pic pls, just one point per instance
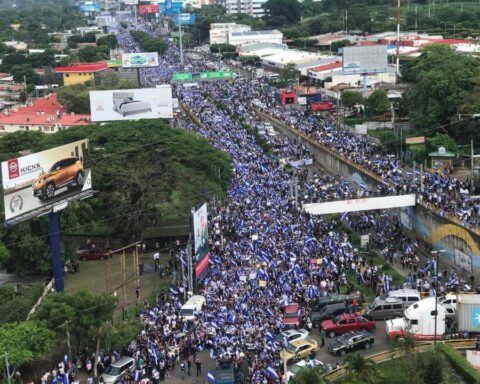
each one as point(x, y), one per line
point(239, 38)
point(44, 115)
point(303, 61)
point(18, 45)
point(261, 49)
point(81, 73)
point(219, 31)
point(252, 8)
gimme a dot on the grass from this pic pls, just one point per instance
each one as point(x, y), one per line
point(93, 277)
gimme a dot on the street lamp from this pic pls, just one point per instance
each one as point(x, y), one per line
point(444, 26)
point(437, 253)
point(454, 25)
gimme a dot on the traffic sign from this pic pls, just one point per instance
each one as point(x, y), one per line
point(182, 76)
point(216, 75)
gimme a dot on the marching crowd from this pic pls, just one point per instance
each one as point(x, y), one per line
point(274, 253)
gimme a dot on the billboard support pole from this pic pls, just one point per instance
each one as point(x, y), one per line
point(54, 233)
point(181, 38)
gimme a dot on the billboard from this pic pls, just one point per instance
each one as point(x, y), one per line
point(148, 8)
point(132, 104)
point(221, 75)
point(170, 7)
point(354, 205)
point(361, 60)
point(130, 2)
point(200, 238)
point(140, 60)
point(184, 19)
point(34, 184)
point(182, 76)
point(415, 140)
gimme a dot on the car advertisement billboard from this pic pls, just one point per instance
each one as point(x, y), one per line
point(148, 8)
point(33, 184)
point(200, 237)
point(184, 19)
point(140, 60)
point(361, 60)
point(132, 104)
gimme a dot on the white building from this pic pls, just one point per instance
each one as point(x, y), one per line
point(239, 38)
point(250, 7)
point(302, 60)
point(18, 45)
point(261, 49)
point(219, 31)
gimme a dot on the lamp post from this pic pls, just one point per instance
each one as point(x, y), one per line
point(444, 26)
point(437, 254)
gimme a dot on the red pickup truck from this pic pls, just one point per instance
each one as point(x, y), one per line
point(345, 323)
point(290, 315)
point(94, 254)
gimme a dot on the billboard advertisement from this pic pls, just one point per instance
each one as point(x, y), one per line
point(140, 60)
point(355, 205)
point(130, 2)
point(360, 60)
point(184, 19)
point(148, 8)
point(34, 184)
point(132, 104)
point(200, 238)
point(170, 7)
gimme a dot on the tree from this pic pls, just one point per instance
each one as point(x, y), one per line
point(309, 376)
point(24, 72)
point(361, 370)
point(377, 103)
point(351, 98)
point(288, 75)
point(434, 369)
point(23, 342)
point(280, 13)
point(110, 40)
point(441, 140)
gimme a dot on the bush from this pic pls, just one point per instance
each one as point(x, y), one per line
point(459, 363)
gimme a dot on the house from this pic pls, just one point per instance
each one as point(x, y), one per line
point(80, 73)
point(45, 114)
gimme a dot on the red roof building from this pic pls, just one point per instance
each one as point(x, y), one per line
point(80, 73)
point(44, 114)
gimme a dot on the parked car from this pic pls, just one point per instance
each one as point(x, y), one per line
point(331, 299)
point(350, 341)
point(67, 172)
point(386, 309)
point(327, 312)
point(299, 349)
point(290, 314)
point(294, 369)
point(290, 335)
point(115, 371)
point(94, 254)
point(346, 323)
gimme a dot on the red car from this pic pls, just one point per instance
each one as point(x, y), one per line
point(290, 315)
point(345, 323)
point(94, 254)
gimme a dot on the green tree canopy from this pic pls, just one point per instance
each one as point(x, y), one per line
point(351, 98)
point(23, 342)
point(280, 13)
point(377, 103)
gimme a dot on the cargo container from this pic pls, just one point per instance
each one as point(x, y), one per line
point(468, 313)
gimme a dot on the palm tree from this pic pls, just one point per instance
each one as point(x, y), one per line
point(361, 370)
point(308, 376)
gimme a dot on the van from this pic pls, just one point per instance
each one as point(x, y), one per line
point(115, 371)
point(193, 305)
point(386, 309)
point(408, 296)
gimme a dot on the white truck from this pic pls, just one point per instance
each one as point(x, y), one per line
point(468, 312)
point(418, 321)
point(193, 305)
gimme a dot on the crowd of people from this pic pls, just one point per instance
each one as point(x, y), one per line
point(266, 252)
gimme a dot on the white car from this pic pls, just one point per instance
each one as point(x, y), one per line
point(290, 335)
point(294, 369)
point(449, 301)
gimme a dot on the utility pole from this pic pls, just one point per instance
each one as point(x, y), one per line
point(398, 43)
point(296, 191)
point(421, 178)
point(416, 21)
point(8, 367)
point(68, 339)
point(472, 164)
point(180, 38)
point(190, 265)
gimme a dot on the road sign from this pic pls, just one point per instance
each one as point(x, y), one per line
point(182, 76)
point(216, 75)
point(184, 19)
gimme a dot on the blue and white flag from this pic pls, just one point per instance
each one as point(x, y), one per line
point(65, 359)
point(173, 291)
point(272, 373)
point(269, 335)
point(210, 377)
point(137, 375)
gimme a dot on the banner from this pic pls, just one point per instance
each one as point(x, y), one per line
point(140, 60)
point(216, 75)
point(132, 104)
point(200, 237)
point(35, 183)
point(354, 205)
point(150, 8)
point(463, 261)
point(184, 19)
point(182, 76)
